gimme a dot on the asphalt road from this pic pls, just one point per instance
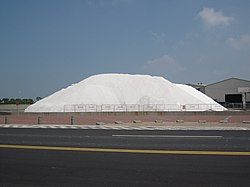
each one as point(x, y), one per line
point(33, 166)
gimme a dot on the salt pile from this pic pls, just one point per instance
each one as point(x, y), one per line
point(124, 92)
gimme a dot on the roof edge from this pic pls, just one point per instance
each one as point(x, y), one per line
point(226, 80)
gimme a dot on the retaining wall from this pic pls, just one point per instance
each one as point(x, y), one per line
point(111, 117)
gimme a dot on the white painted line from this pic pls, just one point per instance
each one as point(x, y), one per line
point(158, 128)
point(67, 126)
point(93, 127)
point(162, 136)
point(24, 126)
point(77, 127)
point(35, 127)
point(125, 128)
point(104, 128)
point(57, 126)
point(32, 126)
point(116, 128)
point(73, 127)
point(136, 128)
point(150, 128)
point(144, 128)
point(53, 127)
point(43, 127)
point(129, 128)
point(16, 126)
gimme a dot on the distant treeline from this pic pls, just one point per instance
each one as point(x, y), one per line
point(16, 101)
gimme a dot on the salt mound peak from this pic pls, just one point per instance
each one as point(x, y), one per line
point(125, 92)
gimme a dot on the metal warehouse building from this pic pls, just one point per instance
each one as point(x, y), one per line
point(232, 93)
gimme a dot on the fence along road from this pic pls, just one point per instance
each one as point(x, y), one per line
point(141, 108)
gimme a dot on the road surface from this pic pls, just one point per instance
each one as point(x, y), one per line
point(57, 157)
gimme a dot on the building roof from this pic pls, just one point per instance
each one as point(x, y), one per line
point(228, 80)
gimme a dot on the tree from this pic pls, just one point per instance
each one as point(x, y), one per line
point(38, 98)
point(5, 100)
point(30, 101)
point(27, 101)
point(16, 101)
point(12, 101)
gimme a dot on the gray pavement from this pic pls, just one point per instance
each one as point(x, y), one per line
point(134, 139)
point(60, 168)
point(69, 167)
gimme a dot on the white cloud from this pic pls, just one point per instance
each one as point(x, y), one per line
point(241, 42)
point(163, 65)
point(211, 18)
point(159, 37)
point(103, 3)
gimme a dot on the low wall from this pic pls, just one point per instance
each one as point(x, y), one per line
point(111, 117)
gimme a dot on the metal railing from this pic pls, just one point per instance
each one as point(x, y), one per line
point(236, 105)
point(140, 108)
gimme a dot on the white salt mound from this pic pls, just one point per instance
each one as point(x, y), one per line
point(140, 92)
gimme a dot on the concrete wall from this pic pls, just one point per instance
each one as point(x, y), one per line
point(218, 90)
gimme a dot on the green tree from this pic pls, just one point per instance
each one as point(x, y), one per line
point(5, 100)
point(12, 101)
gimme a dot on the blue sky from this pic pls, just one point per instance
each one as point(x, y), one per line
point(48, 45)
